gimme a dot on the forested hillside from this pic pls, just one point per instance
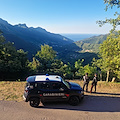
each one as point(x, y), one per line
point(91, 44)
point(30, 39)
point(36, 51)
point(14, 64)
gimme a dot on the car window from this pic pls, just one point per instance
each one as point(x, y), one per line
point(57, 86)
point(30, 85)
point(66, 83)
point(43, 85)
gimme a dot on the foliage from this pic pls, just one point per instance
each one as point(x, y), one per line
point(111, 3)
point(45, 61)
point(56, 67)
point(110, 55)
point(91, 70)
point(34, 65)
point(91, 44)
point(46, 53)
point(46, 57)
point(13, 63)
point(114, 22)
point(66, 71)
point(79, 68)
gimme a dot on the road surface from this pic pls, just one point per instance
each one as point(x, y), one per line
point(93, 107)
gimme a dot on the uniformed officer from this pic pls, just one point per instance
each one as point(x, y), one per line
point(94, 82)
point(86, 82)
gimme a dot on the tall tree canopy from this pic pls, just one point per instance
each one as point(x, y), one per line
point(46, 53)
point(110, 55)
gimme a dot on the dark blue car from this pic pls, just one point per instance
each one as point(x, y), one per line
point(45, 88)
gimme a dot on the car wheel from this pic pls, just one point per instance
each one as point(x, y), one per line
point(74, 100)
point(34, 102)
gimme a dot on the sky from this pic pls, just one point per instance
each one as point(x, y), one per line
point(58, 16)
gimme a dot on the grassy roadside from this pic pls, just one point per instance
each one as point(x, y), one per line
point(14, 90)
point(11, 90)
point(103, 87)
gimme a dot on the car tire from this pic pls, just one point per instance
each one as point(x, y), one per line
point(74, 100)
point(34, 102)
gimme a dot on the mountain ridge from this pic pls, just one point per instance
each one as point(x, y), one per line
point(91, 44)
point(22, 36)
point(30, 39)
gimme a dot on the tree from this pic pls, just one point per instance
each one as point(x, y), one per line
point(114, 22)
point(67, 71)
point(46, 53)
point(111, 3)
point(56, 67)
point(91, 70)
point(79, 68)
point(34, 65)
point(13, 63)
point(110, 55)
point(45, 56)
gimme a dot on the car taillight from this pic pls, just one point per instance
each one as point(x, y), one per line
point(67, 95)
point(26, 90)
point(40, 95)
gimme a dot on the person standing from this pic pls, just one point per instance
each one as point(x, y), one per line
point(85, 82)
point(94, 82)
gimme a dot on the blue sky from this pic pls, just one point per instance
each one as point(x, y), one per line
point(58, 16)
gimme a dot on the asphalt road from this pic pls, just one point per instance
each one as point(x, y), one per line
point(91, 108)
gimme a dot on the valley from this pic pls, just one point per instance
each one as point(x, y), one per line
point(30, 39)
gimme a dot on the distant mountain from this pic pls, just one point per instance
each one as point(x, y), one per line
point(29, 38)
point(77, 36)
point(91, 44)
point(96, 39)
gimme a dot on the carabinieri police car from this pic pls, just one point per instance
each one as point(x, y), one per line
point(45, 88)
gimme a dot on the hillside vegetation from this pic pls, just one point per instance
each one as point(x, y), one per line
point(14, 64)
point(30, 39)
point(91, 44)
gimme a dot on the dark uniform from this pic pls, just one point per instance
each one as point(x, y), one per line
point(86, 82)
point(94, 83)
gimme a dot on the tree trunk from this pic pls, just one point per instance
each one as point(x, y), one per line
point(113, 79)
point(100, 76)
point(108, 73)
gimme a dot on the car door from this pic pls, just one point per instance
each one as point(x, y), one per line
point(44, 90)
point(57, 92)
point(52, 91)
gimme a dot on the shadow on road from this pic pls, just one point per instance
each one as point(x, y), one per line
point(91, 103)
